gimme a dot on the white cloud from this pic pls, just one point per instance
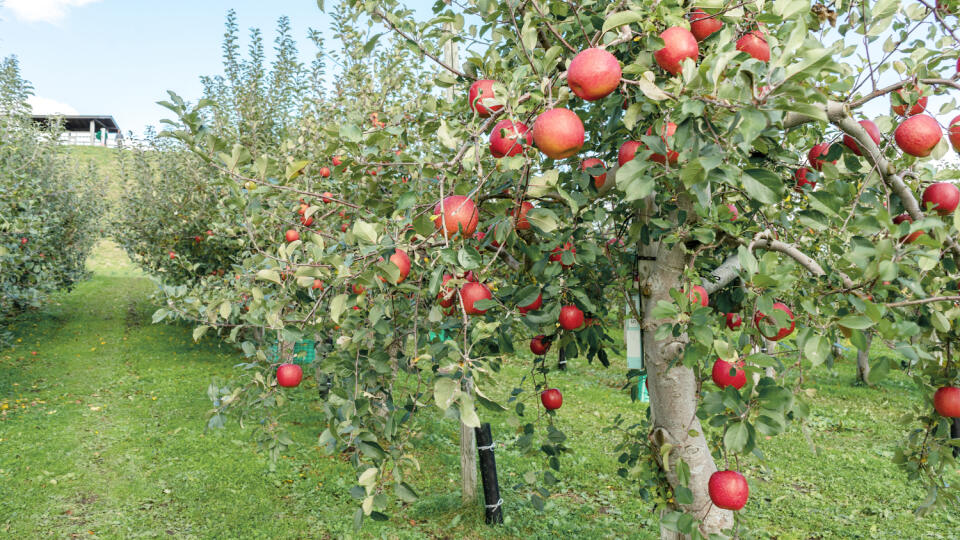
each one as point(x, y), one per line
point(51, 11)
point(41, 105)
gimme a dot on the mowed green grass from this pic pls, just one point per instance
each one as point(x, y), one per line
point(103, 437)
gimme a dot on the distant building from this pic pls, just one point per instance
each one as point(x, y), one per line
point(85, 130)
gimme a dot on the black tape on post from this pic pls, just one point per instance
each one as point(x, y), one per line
point(955, 434)
point(562, 359)
point(493, 504)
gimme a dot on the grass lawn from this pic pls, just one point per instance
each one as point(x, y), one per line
point(102, 436)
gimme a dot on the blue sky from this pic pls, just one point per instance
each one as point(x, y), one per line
point(119, 57)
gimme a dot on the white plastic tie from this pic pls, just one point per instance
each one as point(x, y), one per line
point(494, 506)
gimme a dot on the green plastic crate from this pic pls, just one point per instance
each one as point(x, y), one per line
point(304, 352)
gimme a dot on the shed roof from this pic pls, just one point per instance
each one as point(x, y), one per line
point(80, 122)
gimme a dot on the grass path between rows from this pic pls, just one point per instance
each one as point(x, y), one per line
point(102, 419)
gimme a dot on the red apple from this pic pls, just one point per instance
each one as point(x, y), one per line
point(459, 213)
point(358, 288)
point(767, 325)
point(402, 260)
point(702, 24)
point(289, 375)
point(521, 219)
point(954, 133)
point(558, 133)
point(628, 151)
point(470, 293)
point(593, 74)
point(344, 226)
point(540, 345)
point(678, 44)
point(816, 153)
point(480, 91)
point(871, 130)
point(173, 255)
point(508, 138)
point(722, 377)
point(447, 296)
point(325, 172)
point(326, 197)
point(805, 177)
point(536, 304)
point(556, 254)
point(755, 44)
point(946, 401)
point(733, 210)
point(944, 197)
point(917, 107)
point(728, 490)
point(571, 317)
point(198, 239)
point(306, 221)
point(317, 284)
point(670, 129)
point(910, 237)
point(292, 235)
point(918, 135)
point(23, 241)
point(698, 295)
point(552, 399)
point(733, 321)
point(336, 161)
point(591, 163)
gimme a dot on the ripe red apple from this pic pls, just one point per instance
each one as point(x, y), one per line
point(733, 210)
point(767, 325)
point(536, 304)
point(209, 233)
point(540, 345)
point(289, 375)
point(317, 284)
point(326, 197)
point(917, 107)
point(402, 260)
point(508, 138)
point(521, 219)
point(469, 276)
point(871, 130)
point(447, 295)
point(470, 293)
point(325, 172)
point(590, 163)
point(734, 321)
point(722, 377)
point(173, 255)
point(670, 129)
point(292, 235)
point(954, 133)
point(571, 317)
point(910, 237)
point(628, 151)
point(198, 238)
point(944, 197)
point(459, 213)
point(698, 295)
point(816, 153)
point(306, 221)
point(558, 133)
point(23, 241)
point(593, 74)
point(556, 254)
point(678, 44)
point(702, 24)
point(946, 401)
point(358, 288)
point(755, 44)
point(918, 135)
point(805, 177)
point(728, 490)
point(552, 399)
point(479, 91)
point(344, 226)
point(336, 161)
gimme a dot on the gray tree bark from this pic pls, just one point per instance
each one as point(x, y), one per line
point(863, 362)
point(673, 396)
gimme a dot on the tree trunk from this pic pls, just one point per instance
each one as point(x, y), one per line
point(863, 362)
point(468, 456)
point(673, 397)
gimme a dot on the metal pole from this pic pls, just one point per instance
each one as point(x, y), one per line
point(493, 504)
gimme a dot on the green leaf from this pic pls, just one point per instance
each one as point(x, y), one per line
point(816, 349)
point(624, 17)
point(444, 392)
point(736, 438)
point(337, 306)
point(199, 331)
point(748, 262)
point(351, 133)
point(855, 322)
point(762, 185)
point(406, 493)
point(365, 231)
point(468, 412)
point(543, 219)
point(469, 258)
point(269, 275)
